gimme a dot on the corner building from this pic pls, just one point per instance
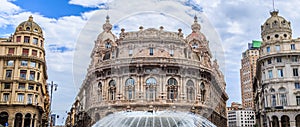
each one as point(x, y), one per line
point(277, 86)
point(152, 70)
point(24, 99)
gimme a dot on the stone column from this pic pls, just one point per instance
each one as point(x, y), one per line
point(292, 123)
point(279, 121)
point(23, 119)
point(270, 123)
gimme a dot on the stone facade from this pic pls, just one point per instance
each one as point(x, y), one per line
point(277, 81)
point(153, 70)
point(24, 99)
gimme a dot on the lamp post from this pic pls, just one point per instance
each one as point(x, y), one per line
point(51, 85)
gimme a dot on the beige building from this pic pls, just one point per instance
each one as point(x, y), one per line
point(247, 74)
point(24, 98)
point(152, 70)
point(277, 87)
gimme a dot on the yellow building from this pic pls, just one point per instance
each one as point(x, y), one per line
point(24, 100)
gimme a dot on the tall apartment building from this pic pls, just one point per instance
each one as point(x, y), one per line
point(24, 100)
point(247, 73)
point(277, 86)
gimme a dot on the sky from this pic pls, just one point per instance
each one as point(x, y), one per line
point(71, 26)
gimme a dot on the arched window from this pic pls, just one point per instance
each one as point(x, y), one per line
point(27, 120)
point(129, 88)
point(3, 118)
point(190, 90)
point(18, 120)
point(202, 92)
point(172, 89)
point(27, 28)
point(97, 117)
point(151, 89)
point(297, 120)
point(112, 90)
point(285, 121)
point(106, 56)
point(107, 45)
point(273, 97)
point(275, 122)
point(99, 91)
point(282, 95)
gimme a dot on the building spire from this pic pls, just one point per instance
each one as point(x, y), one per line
point(273, 5)
point(30, 19)
point(196, 26)
point(107, 26)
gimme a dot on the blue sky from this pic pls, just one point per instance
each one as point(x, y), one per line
point(236, 21)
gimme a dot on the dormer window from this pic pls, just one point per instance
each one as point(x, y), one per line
point(27, 28)
point(35, 30)
point(151, 52)
point(195, 45)
point(107, 45)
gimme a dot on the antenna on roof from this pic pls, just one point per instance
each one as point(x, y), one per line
point(274, 5)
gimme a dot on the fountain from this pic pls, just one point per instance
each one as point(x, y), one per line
point(153, 119)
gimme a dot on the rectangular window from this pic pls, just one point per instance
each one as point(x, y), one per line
point(32, 75)
point(268, 49)
point(280, 73)
point(20, 97)
point(32, 64)
point(130, 52)
point(295, 72)
point(297, 85)
point(18, 38)
point(25, 52)
point(298, 100)
point(34, 53)
point(8, 73)
point(41, 43)
point(24, 63)
point(270, 74)
point(38, 76)
point(11, 50)
point(36, 99)
point(269, 61)
point(23, 74)
point(37, 88)
point(278, 59)
point(10, 63)
point(26, 39)
point(5, 97)
point(35, 41)
point(151, 52)
point(171, 52)
point(277, 48)
point(21, 86)
point(29, 99)
point(293, 47)
point(6, 85)
point(30, 87)
point(294, 59)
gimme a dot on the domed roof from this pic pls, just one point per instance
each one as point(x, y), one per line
point(276, 22)
point(29, 26)
point(155, 119)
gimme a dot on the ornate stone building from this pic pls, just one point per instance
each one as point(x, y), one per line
point(24, 98)
point(152, 70)
point(277, 83)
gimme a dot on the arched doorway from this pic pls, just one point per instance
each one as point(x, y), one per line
point(298, 120)
point(3, 118)
point(275, 122)
point(285, 121)
point(18, 120)
point(27, 120)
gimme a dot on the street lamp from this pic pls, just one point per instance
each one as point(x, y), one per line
point(51, 91)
